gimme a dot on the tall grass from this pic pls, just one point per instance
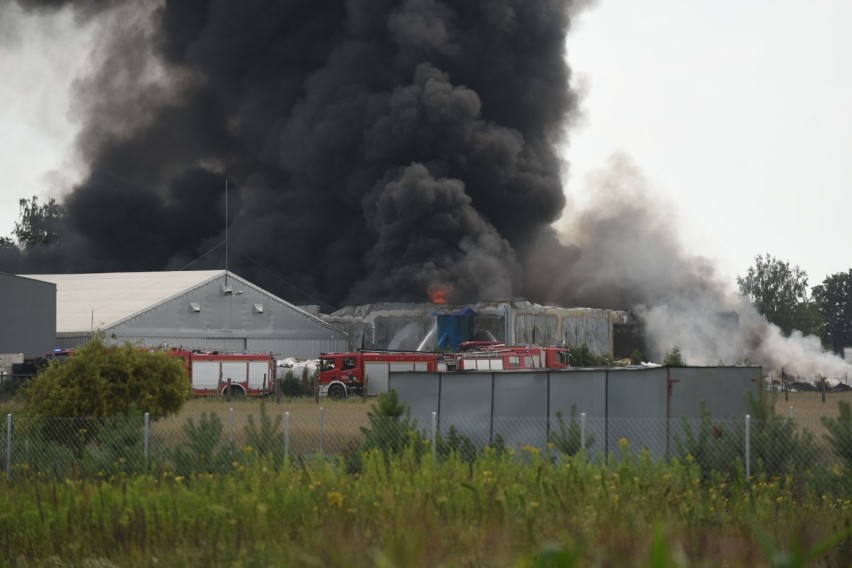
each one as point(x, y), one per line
point(505, 508)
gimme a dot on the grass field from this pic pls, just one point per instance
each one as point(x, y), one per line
point(412, 509)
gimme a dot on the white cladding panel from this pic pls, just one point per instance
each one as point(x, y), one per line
point(489, 364)
point(377, 377)
point(258, 371)
point(205, 374)
point(234, 370)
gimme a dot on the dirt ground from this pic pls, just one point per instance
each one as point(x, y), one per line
point(329, 424)
point(807, 408)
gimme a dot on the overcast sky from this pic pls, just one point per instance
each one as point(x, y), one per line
point(737, 113)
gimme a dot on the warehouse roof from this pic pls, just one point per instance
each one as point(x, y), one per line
point(95, 301)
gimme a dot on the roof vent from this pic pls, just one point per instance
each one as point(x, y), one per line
point(258, 308)
point(194, 307)
point(227, 290)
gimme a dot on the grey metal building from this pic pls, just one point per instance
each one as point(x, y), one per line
point(28, 309)
point(202, 309)
point(413, 326)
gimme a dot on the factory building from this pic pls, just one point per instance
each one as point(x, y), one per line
point(427, 327)
point(28, 325)
point(204, 309)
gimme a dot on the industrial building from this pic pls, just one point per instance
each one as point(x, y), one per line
point(428, 326)
point(202, 309)
point(28, 326)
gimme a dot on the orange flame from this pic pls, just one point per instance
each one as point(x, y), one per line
point(439, 293)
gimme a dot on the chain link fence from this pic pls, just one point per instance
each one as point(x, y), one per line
point(219, 441)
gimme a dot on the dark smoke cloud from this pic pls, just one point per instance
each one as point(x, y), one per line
point(373, 147)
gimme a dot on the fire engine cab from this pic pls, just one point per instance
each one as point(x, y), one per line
point(366, 372)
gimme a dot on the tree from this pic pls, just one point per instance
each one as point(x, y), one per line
point(673, 358)
point(780, 294)
point(40, 224)
point(10, 254)
point(834, 300)
point(102, 381)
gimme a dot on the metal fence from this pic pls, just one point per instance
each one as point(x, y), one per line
point(215, 441)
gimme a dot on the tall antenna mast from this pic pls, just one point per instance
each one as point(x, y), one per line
point(226, 231)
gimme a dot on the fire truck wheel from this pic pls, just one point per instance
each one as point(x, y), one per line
point(235, 391)
point(336, 391)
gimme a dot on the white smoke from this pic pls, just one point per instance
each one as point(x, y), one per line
point(628, 254)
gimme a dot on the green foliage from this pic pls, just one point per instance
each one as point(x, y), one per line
point(39, 224)
point(497, 511)
point(636, 357)
point(778, 448)
point(120, 449)
point(296, 387)
point(714, 447)
point(567, 438)
point(458, 445)
point(673, 358)
point(266, 438)
point(391, 427)
point(780, 293)
point(75, 397)
point(582, 356)
point(101, 380)
point(840, 431)
point(833, 299)
point(201, 452)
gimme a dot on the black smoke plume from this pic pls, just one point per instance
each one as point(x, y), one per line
point(372, 148)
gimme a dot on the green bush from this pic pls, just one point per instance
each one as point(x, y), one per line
point(636, 357)
point(458, 445)
point(266, 438)
point(840, 432)
point(391, 426)
point(296, 387)
point(673, 358)
point(778, 448)
point(567, 438)
point(103, 381)
point(202, 452)
point(582, 356)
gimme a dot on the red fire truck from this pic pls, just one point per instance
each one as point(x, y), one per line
point(342, 374)
point(492, 356)
point(212, 373)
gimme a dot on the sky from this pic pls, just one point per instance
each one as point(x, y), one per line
point(736, 114)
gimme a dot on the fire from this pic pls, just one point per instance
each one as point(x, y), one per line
point(439, 293)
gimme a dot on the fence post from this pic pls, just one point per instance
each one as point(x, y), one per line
point(583, 430)
point(147, 425)
point(434, 436)
point(287, 436)
point(9, 447)
point(232, 435)
point(322, 428)
point(748, 446)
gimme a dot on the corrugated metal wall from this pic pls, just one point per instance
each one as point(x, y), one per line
point(638, 404)
point(28, 312)
point(246, 320)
